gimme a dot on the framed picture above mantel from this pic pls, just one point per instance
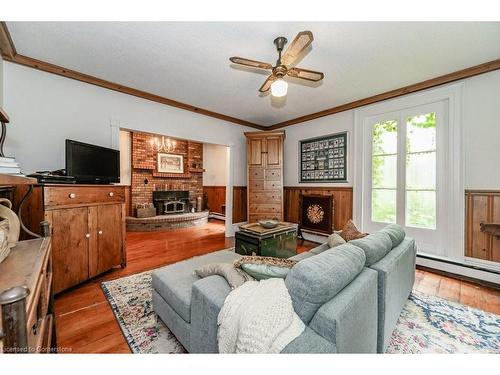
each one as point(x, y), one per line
point(170, 163)
point(323, 159)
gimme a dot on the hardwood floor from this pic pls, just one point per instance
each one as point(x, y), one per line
point(85, 322)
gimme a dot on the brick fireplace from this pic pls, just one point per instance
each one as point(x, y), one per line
point(145, 176)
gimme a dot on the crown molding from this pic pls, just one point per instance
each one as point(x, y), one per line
point(441, 80)
point(7, 47)
point(9, 53)
point(68, 73)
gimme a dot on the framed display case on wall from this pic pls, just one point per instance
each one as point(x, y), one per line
point(323, 159)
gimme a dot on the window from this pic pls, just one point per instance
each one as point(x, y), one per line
point(418, 156)
point(384, 171)
point(421, 171)
point(408, 169)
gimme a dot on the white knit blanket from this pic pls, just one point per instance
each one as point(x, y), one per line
point(258, 317)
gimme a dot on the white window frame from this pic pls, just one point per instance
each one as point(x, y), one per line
point(451, 212)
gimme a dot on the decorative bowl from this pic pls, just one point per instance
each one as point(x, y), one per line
point(269, 224)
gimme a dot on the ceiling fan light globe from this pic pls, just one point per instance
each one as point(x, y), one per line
point(279, 88)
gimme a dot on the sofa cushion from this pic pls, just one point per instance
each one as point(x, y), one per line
point(396, 233)
point(317, 279)
point(174, 282)
point(319, 249)
point(302, 256)
point(375, 246)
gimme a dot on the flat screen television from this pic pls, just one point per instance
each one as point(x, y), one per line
point(92, 164)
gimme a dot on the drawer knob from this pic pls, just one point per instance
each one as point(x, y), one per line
point(87, 235)
point(111, 193)
point(100, 232)
point(72, 195)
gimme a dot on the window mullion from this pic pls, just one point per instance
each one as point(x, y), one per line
point(401, 176)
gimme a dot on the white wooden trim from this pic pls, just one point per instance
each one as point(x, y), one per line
point(452, 94)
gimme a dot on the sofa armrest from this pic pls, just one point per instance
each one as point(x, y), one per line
point(309, 342)
point(207, 299)
point(349, 320)
point(396, 276)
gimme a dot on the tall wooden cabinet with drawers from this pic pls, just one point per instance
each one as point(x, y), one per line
point(265, 175)
point(88, 226)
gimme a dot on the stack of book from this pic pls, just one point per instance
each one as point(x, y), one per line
point(9, 165)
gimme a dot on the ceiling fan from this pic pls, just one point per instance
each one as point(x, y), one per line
point(284, 64)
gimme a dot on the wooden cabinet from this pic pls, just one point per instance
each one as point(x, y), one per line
point(265, 175)
point(482, 225)
point(88, 225)
point(27, 320)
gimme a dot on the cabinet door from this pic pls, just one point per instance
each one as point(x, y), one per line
point(70, 247)
point(255, 148)
point(109, 236)
point(273, 145)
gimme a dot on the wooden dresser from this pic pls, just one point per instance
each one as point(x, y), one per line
point(87, 227)
point(26, 280)
point(265, 175)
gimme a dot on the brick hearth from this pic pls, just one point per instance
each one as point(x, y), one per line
point(166, 222)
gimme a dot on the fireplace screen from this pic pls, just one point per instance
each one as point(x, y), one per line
point(316, 212)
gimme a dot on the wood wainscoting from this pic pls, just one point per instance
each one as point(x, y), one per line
point(239, 204)
point(216, 198)
point(342, 203)
point(482, 224)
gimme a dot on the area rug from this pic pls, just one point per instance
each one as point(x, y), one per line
point(427, 324)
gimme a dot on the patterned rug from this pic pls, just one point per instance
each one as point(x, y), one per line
point(427, 324)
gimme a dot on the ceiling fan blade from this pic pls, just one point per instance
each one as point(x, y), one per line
point(309, 75)
point(252, 63)
point(267, 84)
point(299, 44)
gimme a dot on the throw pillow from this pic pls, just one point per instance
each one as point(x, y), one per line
point(335, 239)
point(350, 232)
point(280, 262)
point(262, 268)
point(265, 271)
point(234, 277)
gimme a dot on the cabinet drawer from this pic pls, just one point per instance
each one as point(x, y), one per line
point(36, 314)
point(252, 218)
point(265, 208)
point(256, 185)
point(262, 197)
point(60, 196)
point(272, 185)
point(256, 173)
point(273, 174)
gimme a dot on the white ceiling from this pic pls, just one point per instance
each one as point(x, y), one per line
point(188, 62)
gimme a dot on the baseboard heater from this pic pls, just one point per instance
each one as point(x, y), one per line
point(456, 268)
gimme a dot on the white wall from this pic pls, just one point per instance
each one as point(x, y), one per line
point(125, 157)
point(481, 122)
point(215, 165)
point(45, 109)
point(337, 123)
point(1, 81)
point(481, 135)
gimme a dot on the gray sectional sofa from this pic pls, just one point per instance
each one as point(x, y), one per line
point(349, 297)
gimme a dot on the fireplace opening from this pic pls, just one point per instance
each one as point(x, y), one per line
point(171, 201)
point(174, 207)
